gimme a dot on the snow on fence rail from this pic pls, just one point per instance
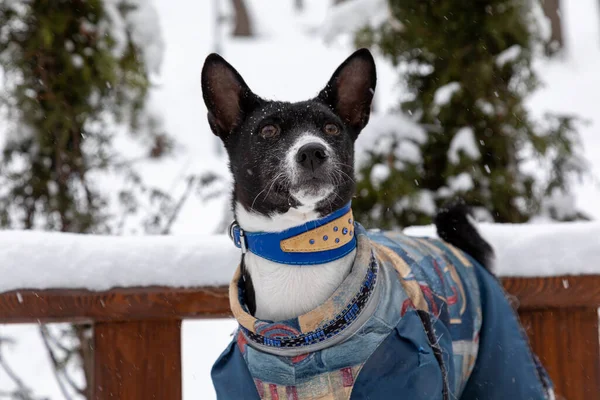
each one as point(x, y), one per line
point(137, 290)
point(40, 260)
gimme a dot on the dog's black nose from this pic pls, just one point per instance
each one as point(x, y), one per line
point(311, 156)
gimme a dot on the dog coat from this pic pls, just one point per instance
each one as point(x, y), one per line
point(415, 319)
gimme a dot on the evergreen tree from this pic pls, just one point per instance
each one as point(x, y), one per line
point(75, 77)
point(71, 77)
point(467, 69)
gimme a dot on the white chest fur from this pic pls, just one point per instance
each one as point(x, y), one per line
point(285, 291)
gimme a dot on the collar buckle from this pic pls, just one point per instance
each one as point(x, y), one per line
point(237, 236)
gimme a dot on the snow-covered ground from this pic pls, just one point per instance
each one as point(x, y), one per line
point(290, 60)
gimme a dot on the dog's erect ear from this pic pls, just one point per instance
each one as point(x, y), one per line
point(351, 88)
point(225, 93)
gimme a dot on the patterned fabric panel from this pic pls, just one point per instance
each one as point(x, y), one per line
point(446, 280)
point(438, 278)
point(335, 385)
point(465, 354)
point(285, 334)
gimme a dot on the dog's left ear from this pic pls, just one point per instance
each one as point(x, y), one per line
point(351, 88)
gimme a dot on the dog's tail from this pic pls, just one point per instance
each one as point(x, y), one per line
point(453, 226)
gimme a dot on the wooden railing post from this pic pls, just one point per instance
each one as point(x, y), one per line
point(560, 315)
point(137, 360)
point(566, 341)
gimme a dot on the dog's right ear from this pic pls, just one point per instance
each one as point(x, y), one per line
point(225, 93)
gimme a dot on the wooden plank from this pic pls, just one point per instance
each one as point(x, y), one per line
point(123, 304)
point(567, 343)
point(137, 360)
point(555, 292)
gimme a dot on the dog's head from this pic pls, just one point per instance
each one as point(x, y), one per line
point(290, 155)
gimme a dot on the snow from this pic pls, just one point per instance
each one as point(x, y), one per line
point(102, 262)
point(77, 60)
point(408, 151)
point(572, 86)
point(426, 202)
point(541, 26)
point(187, 32)
point(444, 93)
point(463, 140)
point(559, 205)
point(463, 182)
point(146, 33)
point(383, 131)
point(486, 107)
point(202, 341)
point(26, 355)
point(379, 173)
point(549, 249)
point(143, 24)
point(508, 55)
point(350, 16)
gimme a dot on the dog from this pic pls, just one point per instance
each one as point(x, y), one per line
point(327, 310)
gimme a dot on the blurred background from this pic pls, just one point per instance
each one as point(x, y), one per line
point(103, 128)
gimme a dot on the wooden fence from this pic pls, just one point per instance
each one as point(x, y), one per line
point(137, 331)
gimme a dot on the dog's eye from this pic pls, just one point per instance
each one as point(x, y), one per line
point(269, 131)
point(331, 129)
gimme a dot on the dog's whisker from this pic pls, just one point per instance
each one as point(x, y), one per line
point(273, 183)
point(254, 201)
point(348, 176)
point(341, 172)
point(343, 164)
point(262, 191)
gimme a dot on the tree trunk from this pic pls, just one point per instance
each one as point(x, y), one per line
point(299, 5)
point(243, 25)
point(552, 11)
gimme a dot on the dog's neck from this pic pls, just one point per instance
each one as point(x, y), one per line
point(285, 291)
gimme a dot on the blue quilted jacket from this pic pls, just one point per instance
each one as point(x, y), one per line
point(415, 319)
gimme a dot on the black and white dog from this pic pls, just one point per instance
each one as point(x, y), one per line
point(326, 309)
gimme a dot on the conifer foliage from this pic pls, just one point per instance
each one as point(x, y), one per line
point(467, 68)
point(73, 77)
point(75, 82)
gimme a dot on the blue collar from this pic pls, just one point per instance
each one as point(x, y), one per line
point(315, 242)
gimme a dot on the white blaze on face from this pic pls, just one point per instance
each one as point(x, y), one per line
point(290, 158)
point(306, 198)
